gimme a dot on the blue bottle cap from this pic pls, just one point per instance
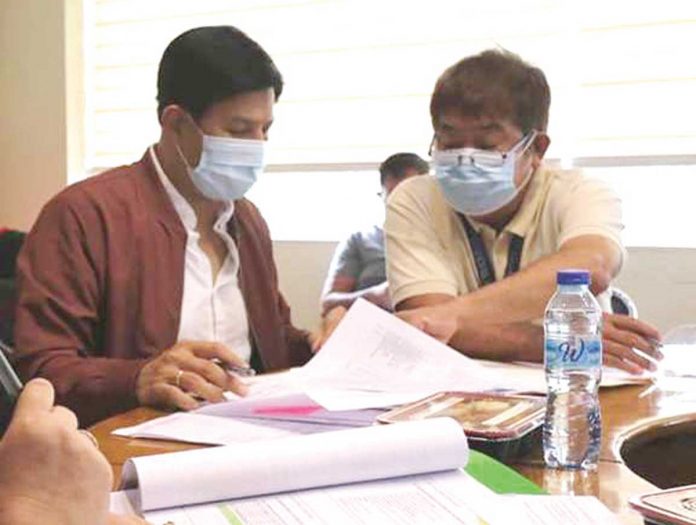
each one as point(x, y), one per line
point(573, 277)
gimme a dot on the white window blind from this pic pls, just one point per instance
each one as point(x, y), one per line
point(359, 73)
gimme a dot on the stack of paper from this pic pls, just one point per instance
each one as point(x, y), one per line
point(373, 359)
point(410, 472)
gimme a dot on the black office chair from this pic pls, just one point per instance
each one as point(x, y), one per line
point(621, 303)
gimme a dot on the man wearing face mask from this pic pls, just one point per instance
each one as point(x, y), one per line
point(358, 267)
point(477, 246)
point(141, 285)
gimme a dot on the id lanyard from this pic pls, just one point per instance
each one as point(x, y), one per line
point(484, 267)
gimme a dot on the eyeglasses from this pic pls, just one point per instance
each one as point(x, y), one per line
point(480, 158)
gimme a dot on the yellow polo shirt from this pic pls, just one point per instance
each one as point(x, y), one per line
point(428, 250)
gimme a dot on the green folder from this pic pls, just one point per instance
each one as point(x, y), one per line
point(498, 477)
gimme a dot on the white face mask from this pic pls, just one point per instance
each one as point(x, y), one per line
point(228, 167)
point(478, 182)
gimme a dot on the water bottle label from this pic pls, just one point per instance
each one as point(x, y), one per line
point(573, 352)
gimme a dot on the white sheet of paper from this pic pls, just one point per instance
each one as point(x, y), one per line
point(529, 377)
point(269, 385)
point(679, 360)
point(294, 463)
point(445, 498)
point(375, 359)
point(568, 510)
point(209, 430)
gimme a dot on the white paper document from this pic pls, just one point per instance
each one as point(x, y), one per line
point(292, 407)
point(392, 474)
point(269, 385)
point(207, 430)
point(294, 463)
point(530, 377)
point(374, 359)
point(445, 498)
point(568, 510)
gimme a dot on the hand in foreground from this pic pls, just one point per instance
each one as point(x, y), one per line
point(179, 375)
point(49, 471)
point(621, 335)
point(436, 321)
point(328, 324)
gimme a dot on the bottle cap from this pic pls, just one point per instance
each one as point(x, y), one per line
point(573, 277)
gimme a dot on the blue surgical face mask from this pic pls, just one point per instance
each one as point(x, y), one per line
point(478, 182)
point(228, 167)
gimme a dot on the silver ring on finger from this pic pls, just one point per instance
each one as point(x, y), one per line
point(177, 380)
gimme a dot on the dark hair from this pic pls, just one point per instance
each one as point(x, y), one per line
point(495, 83)
point(398, 165)
point(208, 64)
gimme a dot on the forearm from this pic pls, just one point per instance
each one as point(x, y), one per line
point(375, 294)
point(523, 296)
point(482, 339)
point(333, 299)
point(500, 342)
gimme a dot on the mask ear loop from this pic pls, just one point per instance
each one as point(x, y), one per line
point(187, 164)
point(524, 146)
point(432, 148)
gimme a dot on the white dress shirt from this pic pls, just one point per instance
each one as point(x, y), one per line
point(211, 309)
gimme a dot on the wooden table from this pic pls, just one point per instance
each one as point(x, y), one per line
point(623, 410)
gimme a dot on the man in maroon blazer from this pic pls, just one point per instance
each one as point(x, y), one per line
point(133, 283)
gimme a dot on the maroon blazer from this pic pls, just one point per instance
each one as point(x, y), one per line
point(101, 283)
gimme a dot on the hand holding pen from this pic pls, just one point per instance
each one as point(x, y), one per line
point(186, 373)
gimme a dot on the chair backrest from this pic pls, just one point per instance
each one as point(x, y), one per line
point(621, 303)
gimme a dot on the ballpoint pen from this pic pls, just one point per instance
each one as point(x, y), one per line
point(241, 371)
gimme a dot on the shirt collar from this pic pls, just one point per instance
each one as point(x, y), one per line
point(181, 205)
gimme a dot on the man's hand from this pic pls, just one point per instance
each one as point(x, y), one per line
point(621, 335)
point(328, 324)
point(49, 471)
point(187, 371)
point(437, 321)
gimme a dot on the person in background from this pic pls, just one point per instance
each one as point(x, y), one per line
point(476, 248)
point(141, 285)
point(358, 268)
point(49, 471)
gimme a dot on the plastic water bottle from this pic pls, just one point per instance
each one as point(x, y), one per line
point(573, 363)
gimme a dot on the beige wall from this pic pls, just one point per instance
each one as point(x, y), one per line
point(34, 109)
point(662, 281)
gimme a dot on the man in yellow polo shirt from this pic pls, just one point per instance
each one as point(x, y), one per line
point(480, 243)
